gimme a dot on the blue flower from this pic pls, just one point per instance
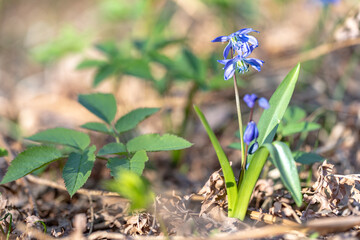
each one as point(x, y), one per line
point(250, 100)
point(240, 64)
point(253, 148)
point(327, 2)
point(251, 132)
point(263, 102)
point(239, 42)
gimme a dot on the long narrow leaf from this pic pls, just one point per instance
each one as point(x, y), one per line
point(278, 105)
point(231, 188)
point(267, 126)
point(284, 161)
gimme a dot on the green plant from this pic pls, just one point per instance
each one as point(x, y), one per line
point(239, 193)
point(80, 154)
point(7, 233)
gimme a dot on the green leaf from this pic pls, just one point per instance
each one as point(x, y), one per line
point(278, 104)
point(98, 127)
point(231, 188)
point(3, 152)
point(298, 127)
point(112, 148)
point(307, 158)
point(108, 48)
point(78, 169)
point(294, 114)
point(29, 160)
point(162, 59)
point(284, 161)
point(155, 142)
point(133, 187)
point(90, 63)
point(268, 125)
point(63, 136)
point(192, 60)
point(133, 118)
point(162, 43)
point(136, 164)
point(69, 40)
point(138, 68)
point(102, 73)
point(101, 104)
point(235, 145)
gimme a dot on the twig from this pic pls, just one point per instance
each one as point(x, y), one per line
point(106, 235)
point(315, 53)
point(270, 219)
point(91, 214)
point(31, 196)
point(83, 191)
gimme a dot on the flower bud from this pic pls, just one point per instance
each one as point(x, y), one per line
point(251, 132)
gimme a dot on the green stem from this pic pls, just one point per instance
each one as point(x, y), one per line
point(250, 178)
point(238, 109)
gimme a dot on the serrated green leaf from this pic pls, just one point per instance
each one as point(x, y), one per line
point(102, 73)
point(101, 104)
point(133, 118)
point(63, 136)
point(307, 158)
point(115, 163)
point(29, 160)
point(155, 142)
point(136, 164)
point(78, 169)
point(138, 68)
point(230, 182)
point(112, 148)
point(298, 127)
point(282, 158)
point(294, 114)
point(98, 127)
point(90, 63)
point(3, 152)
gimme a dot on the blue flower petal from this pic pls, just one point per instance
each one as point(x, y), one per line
point(245, 50)
point(263, 102)
point(227, 50)
point(253, 41)
point(245, 31)
point(253, 148)
point(251, 132)
point(221, 39)
point(224, 61)
point(250, 100)
point(229, 70)
point(255, 63)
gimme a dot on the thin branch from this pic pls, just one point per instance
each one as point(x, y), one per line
point(315, 53)
point(52, 184)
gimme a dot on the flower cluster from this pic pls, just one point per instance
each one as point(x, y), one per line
point(251, 131)
point(240, 45)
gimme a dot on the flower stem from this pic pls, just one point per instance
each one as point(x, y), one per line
point(238, 109)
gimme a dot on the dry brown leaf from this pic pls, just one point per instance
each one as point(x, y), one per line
point(333, 195)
